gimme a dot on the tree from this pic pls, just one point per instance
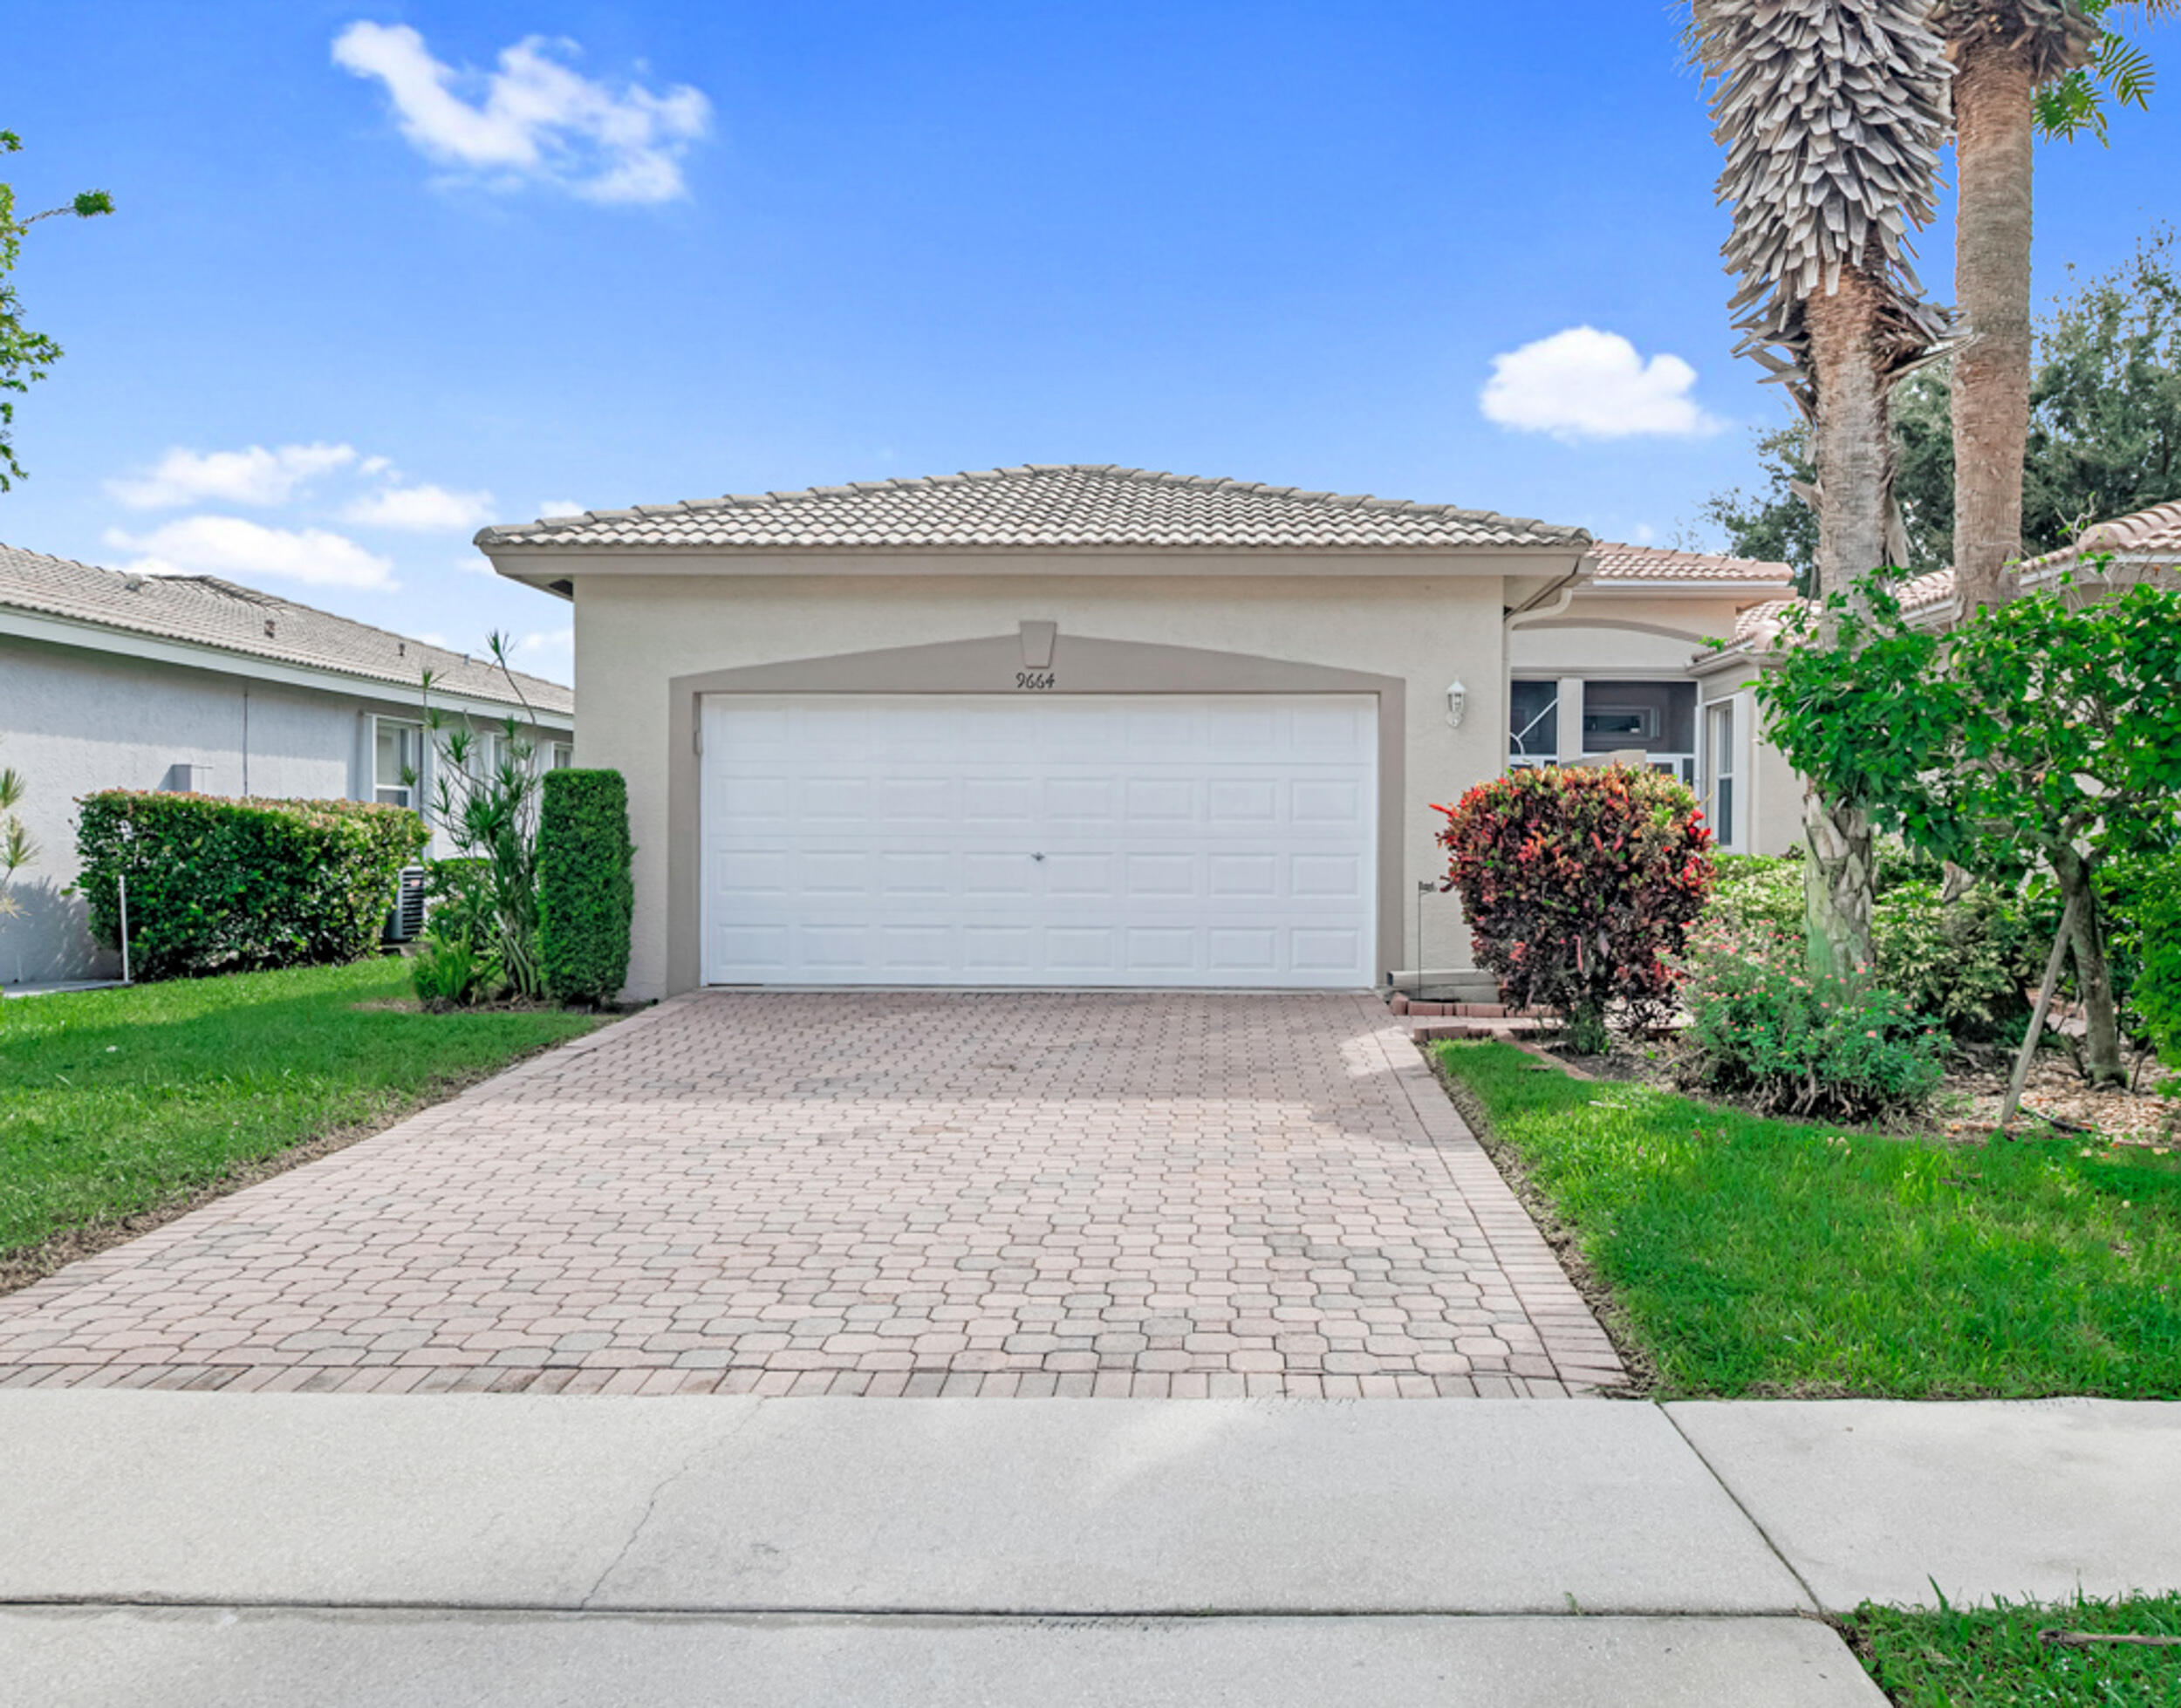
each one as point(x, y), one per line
point(2020, 65)
point(2105, 428)
point(2039, 732)
point(1831, 112)
point(25, 355)
point(485, 796)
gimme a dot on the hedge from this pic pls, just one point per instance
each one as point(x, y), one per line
point(585, 892)
point(231, 886)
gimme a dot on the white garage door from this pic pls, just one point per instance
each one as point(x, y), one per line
point(1056, 840)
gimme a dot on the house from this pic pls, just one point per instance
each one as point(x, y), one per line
point(2146, 545)
point(1082, 725)
point(114, 681)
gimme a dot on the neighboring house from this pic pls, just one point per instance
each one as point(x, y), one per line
point(1622, 659)
point(111, 680)
point(2142, 546)
point(1086, 725)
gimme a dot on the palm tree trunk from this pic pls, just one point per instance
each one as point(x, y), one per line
point(1993, 122)
point(1855, 475)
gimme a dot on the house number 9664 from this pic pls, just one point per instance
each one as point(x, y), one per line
point(1033, 678)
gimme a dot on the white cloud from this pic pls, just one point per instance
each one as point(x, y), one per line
point(419, 509)
point(553, 506)
point(1586, 384)
point(547, 652)
point(231, 546)
point(254, 476)
point(1642, 534)
point(534, 119)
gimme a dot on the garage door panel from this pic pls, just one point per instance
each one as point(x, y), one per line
point(996, 840)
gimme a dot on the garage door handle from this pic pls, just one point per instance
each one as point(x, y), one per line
point(1037, 857)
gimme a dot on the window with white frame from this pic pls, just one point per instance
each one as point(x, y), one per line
point(1719, 755)
point(1533, 735)
point(397, 763)
point(564, 755)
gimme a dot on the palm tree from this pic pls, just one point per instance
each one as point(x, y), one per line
point(2019, 66)
point(1831, 112)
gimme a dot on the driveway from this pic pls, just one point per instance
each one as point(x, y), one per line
point(882, 1195)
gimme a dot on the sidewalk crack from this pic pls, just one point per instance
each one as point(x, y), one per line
point(1726, 1488)
point(651, 1505)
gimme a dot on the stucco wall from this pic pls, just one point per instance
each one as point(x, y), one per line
point(634, 634)
point(72, 722)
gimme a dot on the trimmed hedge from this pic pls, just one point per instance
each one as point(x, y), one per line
point(232, 887)
point(585, 892)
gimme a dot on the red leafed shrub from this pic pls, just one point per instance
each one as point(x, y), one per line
point(1580, 886)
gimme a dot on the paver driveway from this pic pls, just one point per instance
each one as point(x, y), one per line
point(1001, 1194)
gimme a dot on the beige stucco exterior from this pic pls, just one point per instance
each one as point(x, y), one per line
point(640, 634)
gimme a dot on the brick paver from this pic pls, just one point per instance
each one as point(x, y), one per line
point(994, 1194)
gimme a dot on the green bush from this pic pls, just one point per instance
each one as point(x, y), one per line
point(452, 973)
point(1764, 1030)
point(227, 887)
point(585, 890)
point(1965, 963)
point(455, 965)
point(2147, 939)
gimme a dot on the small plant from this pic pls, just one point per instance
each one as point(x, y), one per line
point(16, 849)
point(2156, 942)
point(1580, 886)
point(1768, 1030)
point(585, 892)
point(449, 972)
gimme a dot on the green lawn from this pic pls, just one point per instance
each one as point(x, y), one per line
point(1985, 1657)
point(1755, 1257)
point(115, 1101)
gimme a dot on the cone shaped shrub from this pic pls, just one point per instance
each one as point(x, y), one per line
point(585, 890)
point(1580, 886)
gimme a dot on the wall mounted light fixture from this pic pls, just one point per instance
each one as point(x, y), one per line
point(1457, 703)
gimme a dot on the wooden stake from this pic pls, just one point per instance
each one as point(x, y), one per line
point(2008, 1110)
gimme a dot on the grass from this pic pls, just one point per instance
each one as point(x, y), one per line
point(1754, 1257)
point(117, 1102)
point(1981, 1657)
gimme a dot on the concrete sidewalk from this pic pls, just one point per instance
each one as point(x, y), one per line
point(343, 1548)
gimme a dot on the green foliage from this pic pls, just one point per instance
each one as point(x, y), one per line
point(586, 894)
point(218, 886)
point(1578, 885)
point(1964, 962)
point(2152, 907)
point(485, 797)
point(1750, 1257)
point(116, 1102)
point(16, 849)
point(2067, 105)
point(1999, 1656)
point(2104, 431)
point(25, 355)
point(451, 972)
point(1766, 1030)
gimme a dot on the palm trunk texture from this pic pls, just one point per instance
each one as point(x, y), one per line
point(1993, 90)
point(1854, 461)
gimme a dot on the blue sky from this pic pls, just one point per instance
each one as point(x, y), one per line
point(357, 298)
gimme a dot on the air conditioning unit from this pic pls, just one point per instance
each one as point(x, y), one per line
point(406, 923)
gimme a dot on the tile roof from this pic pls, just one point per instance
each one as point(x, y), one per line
point(2154, 533)
point(1080, 506)
point(207, 611)
point(1612, 561)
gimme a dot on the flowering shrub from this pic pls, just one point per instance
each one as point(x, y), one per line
point(1580, 886)
point(1765, 1029)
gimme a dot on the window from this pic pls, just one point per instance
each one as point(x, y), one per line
point(564, 755)
point(1533, 722)
point(1719, 752)
point(397, 763)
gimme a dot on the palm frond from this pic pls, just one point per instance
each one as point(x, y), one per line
point(2126, 70)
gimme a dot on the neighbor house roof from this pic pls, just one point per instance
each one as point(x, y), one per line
point(1650, 565)
point(2146, 540)
point(1063, 506)
point(204, 612)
